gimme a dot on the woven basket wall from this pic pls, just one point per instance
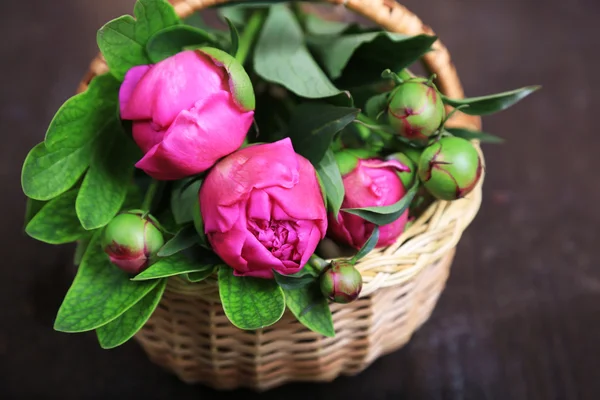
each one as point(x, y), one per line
point(190, 335)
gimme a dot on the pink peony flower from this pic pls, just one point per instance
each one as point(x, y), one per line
point(371, 183)
point(263, 209)
point(184, 114)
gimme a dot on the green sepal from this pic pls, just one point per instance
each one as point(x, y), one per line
point(250, 303)
point(239, 81)
point(120, 330)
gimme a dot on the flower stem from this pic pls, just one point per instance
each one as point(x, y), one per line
point(249, 34)
point(150, 195)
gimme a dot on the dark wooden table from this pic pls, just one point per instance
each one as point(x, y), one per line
point(520, 318)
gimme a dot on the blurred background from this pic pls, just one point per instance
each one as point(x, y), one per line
point(519, 318)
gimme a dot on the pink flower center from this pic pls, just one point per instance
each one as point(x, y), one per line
point(279, 237)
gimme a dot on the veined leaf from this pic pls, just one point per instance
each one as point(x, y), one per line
point(176, 264)
point(331, 178)
point(185, 238)
point(250, 303)
point(491, 104)
point(310, 307)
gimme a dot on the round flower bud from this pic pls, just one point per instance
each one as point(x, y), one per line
point(450, 168)
point(131, 241)
point(416, 110)
point(341, 282)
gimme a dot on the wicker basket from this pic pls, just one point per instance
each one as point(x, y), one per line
point(190, 335)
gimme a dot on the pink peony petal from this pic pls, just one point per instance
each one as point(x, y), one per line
point(233, 178)
point(198, 138)
point(146, 134)
point(132, 78)
point(173, 85)
point(259, 206)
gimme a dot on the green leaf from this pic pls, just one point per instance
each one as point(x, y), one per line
point(235, 37)
point(104, 188)
point(47, 174)
point(57, 222)
point(123, 328)
point(133, 199)
point(198, 276)
point(174, 39)
point(376, 104)
point(491, 104)
point(318, 26)
point(386, 214)
point(310, 307)
point(184, 239)
point(281, 57)
point(84, 116)
point(330, 176)
point(173, 265)
point(250, 303)
point(294, 281)
point(32, 207)
point(100, 293)
point(313, 126)
point(471, 134)
point(122, 41)
point(368, 246)
point(184, 197)
point(370, 52)
point(80, 249)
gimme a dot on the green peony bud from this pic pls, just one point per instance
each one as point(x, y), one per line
point(416, 109)
point(450, 168)
point(131, 241)
point(341, 282)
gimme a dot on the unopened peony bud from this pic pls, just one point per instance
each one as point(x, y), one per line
point(416, 109)
point(450, 168)
point(341, 282)
point(131, 240)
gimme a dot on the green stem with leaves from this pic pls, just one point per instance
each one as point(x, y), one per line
point(249, 35)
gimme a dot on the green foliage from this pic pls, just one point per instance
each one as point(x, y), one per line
point(386, 214)
point(310, 308)
point(174, 39)
point(185, 238)
point(478, 135)
point(122, 41)
point(250, 303)
point(184, 197)
point(32, 207)
point(368, 246)
point(331, 179)
point(104, 188)
point(491, 104)
point(293, 281)
point(281, 57)
point(314, 125)
point(175, 264)
point(57, 222)
point(124, 327)
point(99, 294)
point(373, 51)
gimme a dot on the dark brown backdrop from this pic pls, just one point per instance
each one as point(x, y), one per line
point(520, 316)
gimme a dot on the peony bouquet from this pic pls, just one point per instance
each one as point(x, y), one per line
point(269, 152)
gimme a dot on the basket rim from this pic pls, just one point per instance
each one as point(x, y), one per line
point(438, 230)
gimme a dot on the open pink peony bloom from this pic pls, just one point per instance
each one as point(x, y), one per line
point(372, 183)
point(184, 115)
point(263, 209)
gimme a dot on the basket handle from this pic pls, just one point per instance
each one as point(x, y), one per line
point(393, 17)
